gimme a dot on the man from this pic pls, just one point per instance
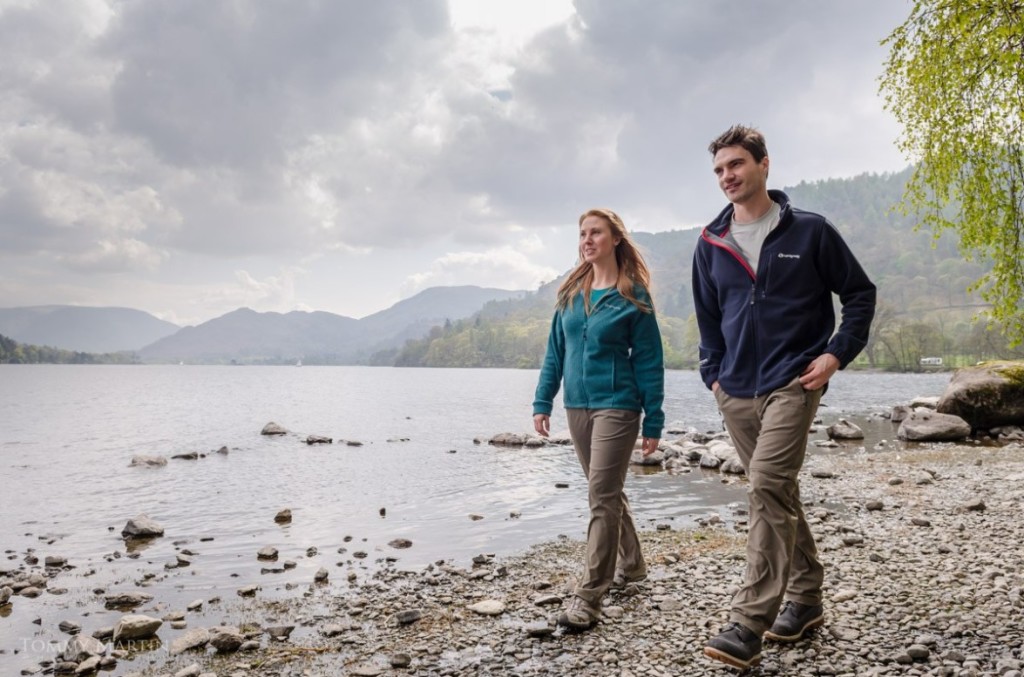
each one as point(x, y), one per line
point(763, 277)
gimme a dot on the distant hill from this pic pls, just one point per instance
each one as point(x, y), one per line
point(924, 306)
point(245, 336)
point(83, 329)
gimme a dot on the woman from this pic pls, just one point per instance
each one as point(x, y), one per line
point(606, 347)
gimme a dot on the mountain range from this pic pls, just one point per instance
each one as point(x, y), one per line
point(245, 336)
point(85, 329)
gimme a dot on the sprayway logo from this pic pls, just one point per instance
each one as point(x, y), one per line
point(788, 256)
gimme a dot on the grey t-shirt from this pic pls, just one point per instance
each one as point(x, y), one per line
point(748, 237)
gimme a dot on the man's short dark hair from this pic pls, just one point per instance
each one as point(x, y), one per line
point(741, 135)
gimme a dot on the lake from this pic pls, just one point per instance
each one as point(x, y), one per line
point(67, 434)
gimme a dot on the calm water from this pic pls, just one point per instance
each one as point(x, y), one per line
point(67, 434)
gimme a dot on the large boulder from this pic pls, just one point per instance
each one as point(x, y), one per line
point(928, 426)
point(986, 395)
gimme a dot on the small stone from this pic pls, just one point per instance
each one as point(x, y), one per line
point(283, 516)
point(400, 660)
point(408, 616)
point(539, 629)
point(488, 607)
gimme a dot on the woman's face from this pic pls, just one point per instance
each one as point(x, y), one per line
point(597, 244)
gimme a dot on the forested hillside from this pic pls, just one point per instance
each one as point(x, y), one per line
point(924, 307)
point(12, 352)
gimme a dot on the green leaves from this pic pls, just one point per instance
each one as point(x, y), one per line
point(955, 80)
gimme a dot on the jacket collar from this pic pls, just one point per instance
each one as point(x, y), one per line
point(720, 226)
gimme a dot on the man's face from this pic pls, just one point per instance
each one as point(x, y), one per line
point(739, 176)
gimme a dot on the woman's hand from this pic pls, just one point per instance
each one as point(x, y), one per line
point(542, 424)
point(650, 445)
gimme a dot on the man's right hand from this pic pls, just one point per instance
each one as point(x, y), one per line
point(714, 388)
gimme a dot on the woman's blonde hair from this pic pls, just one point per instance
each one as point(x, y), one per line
point(632, 268)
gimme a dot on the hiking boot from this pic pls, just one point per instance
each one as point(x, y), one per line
point(579, 615)
point(621, 580)
point(736, 645)
point(794, 621)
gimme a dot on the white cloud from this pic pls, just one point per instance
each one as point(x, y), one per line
point(507, 267)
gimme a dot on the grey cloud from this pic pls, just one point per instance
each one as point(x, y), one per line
point(163, 129)
point(232, 84)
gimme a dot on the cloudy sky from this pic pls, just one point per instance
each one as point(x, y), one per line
point(188, 157)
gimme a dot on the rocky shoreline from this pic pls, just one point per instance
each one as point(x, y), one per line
point(924, 565)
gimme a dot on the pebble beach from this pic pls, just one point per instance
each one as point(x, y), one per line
point(921, 544)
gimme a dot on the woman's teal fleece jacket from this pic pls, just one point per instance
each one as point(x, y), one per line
point(611, 359)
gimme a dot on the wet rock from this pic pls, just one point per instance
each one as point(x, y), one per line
point(321, 575)
point(55, 561)
point(126, 600)
point(248, 591)
point(147, 461)
point(509, 439)
point(900, 412)
point(400, 660)
point(226, 640)
point(283, 516)
point(190, 671)
point(81, 647)
point(136, 626)
point(195, 638)
point(319, 439)
point(279, 632)
point(335, 629)
point(88, 666)
point(142, 526)
point(922, 426)
point(400, 543)
point(187, 456)
point(654, 458)
point(70, 628)
point(710, 461)
point(273, 429)
point(267, 553)
point(844, 430)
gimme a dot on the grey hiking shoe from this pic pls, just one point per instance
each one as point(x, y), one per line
point(579, 615)
point(621, 580)
point(736, 645)
point(794, 621)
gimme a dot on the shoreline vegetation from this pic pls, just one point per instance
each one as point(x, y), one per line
point(14, 353)
point(924, 575)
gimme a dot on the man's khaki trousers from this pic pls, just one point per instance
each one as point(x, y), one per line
point(770, 434)
point(604, 441)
